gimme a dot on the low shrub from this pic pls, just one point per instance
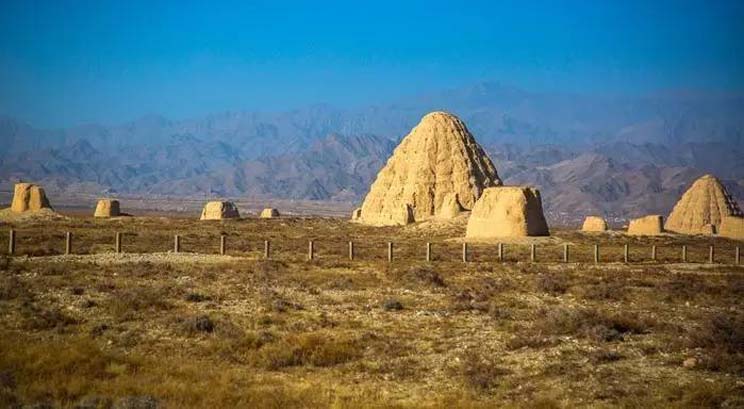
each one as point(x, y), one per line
point(722, 338)
point(592, 324)
point(12, 288)
point(724, 330)
point(419, 276)
point(603, 356)
point(282, 305)
point(309, 349)
point(200, 324)
point(684, 287)
point(39, 318)
point(266, 269)
point(392, 304)
point(480, 371)
point(603, 291)
point(5, 263)
point(128, 301)
point(553, 283)
point(196, 297)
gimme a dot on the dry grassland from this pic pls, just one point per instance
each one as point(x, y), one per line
point(188, 330)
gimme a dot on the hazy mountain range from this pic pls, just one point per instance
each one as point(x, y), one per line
point(618, 156)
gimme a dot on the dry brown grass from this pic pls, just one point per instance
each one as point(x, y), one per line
point(288, 332)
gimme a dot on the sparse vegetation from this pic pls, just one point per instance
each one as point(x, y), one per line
point(721, 336)
point(197, 297)
point(310, 349)
point(552, 283)
point(419, 276)
point(391, 304)
point(604, 290)
point(481, 371)
point(283, 333)
point(126, 302)
point(198, 324)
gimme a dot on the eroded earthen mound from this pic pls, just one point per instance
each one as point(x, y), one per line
point(437, 170)
point(269, 213)
point(732, 227)
point(647, 226)
point(450, 207)
point(704, 204)
point(219, 210)
point(107, 208)
point(356, 214)
point(510, 211)
point(594, 224)
point(28, 197)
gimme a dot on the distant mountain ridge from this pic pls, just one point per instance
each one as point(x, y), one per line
point(606, 155)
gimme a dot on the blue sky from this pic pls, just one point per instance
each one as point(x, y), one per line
point(71, 62)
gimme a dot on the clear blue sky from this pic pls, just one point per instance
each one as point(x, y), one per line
point(69, 62)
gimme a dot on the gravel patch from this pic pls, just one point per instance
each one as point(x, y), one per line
point(126, 258)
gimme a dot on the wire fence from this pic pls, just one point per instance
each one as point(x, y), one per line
point(55, 243)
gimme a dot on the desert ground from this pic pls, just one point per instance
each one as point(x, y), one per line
point(79, 203)
point(196, 329)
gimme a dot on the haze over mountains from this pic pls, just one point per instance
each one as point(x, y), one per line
point(615, 156)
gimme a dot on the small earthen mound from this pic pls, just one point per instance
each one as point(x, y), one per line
point(269, 213)
point(595, 224)
point(28, 197)
point(512, 211)
point(435, 166)
point(450, 208)
point(403, 216)
point(703, 205)
point(219, 210)
point(652, 225)
point(732, 227)
point(356, 214)
point(107, 208)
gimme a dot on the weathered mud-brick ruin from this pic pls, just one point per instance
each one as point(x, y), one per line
point(29, 197)
point(594, 224)
point(269, 213)
point(732, 227)
point(646, 226)
point(509, 211)
point(219, 210)
point(107, 208)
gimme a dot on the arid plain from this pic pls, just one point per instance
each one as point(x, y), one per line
point(205, 330)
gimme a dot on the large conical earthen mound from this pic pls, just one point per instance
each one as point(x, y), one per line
point(437, 170)
point(703, 205)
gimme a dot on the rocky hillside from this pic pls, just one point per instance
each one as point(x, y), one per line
point(614, 156)
point(594, 184)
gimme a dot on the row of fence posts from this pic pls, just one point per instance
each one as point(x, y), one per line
point(500, 249)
